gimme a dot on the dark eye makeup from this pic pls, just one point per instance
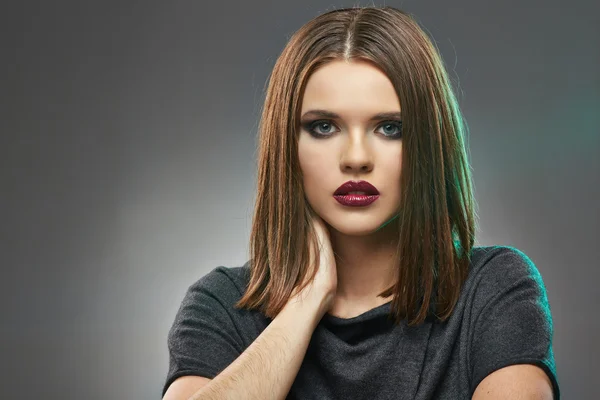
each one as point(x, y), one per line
point(310, 126)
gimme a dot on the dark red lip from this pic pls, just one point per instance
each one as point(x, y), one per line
point(356, 186)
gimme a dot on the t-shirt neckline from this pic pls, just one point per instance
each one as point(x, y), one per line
point(378, 311)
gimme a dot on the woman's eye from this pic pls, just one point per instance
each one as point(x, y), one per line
point(323, 128)
point(325, 125)
point(392, 129)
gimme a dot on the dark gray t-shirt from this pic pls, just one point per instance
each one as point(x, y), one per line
point(502, 318)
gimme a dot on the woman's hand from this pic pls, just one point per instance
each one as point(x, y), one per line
point(323, 288)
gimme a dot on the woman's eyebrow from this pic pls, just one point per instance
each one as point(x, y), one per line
point(329, 114)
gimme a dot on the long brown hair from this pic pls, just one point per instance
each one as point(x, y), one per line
point(437, 217)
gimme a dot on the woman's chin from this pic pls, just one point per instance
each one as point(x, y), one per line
point(358, 228)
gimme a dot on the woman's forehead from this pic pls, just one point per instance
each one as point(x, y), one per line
point(350, 88)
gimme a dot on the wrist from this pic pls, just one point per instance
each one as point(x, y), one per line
point(311, 307)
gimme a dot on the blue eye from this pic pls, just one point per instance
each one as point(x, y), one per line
point(392, 129)
point(393, 124)
point(310, 127)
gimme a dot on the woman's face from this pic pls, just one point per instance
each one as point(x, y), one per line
point(351, 145)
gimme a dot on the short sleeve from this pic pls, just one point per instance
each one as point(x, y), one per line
point(513, 323)
point(203, 339)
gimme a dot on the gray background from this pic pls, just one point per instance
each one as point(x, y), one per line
point(128, 137)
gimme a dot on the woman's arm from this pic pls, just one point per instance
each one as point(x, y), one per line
point(268, 367)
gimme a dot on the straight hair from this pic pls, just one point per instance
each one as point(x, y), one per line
point(437, 216)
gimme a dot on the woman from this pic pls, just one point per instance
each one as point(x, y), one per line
point(363, 280)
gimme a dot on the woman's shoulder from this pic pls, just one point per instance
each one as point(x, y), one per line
point(230, 281)
point(497, 266)
point(492, 253)
point(216, 294)
point(503, 277)
point(505, 315)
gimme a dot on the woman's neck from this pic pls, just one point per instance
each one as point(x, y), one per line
point(365, 264)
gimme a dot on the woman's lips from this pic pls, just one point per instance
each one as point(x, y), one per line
point(356, 200)
point(363, 187)
point(356, 194)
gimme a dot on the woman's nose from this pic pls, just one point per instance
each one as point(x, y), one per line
point(356, 156)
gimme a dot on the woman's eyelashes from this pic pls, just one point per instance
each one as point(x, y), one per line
point(391, 129)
